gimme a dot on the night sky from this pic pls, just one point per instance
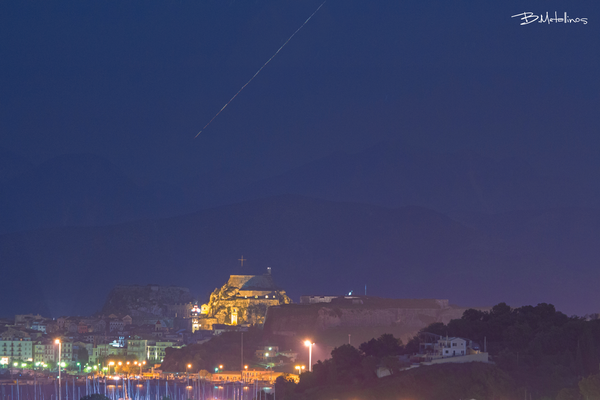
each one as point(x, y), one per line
point(115, 91)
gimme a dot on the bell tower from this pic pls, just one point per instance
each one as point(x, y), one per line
point(234, 316)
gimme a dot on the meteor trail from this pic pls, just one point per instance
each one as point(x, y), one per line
point(260, 69)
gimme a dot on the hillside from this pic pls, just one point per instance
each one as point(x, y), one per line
point(408, 252)
point(436, 382)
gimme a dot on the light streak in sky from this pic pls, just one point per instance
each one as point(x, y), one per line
point(260, 69)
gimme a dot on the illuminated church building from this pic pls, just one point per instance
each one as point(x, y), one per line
point(243, 300)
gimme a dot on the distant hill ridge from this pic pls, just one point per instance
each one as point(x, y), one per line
point(318, 247)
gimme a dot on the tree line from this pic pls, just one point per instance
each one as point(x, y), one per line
point(540, 353)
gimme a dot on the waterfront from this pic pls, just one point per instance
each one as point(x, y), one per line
point(73, 389)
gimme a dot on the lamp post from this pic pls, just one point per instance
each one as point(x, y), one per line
point(187, 372)
point(140, 364)
point(309, 344)
point(110, 364)
point(57, 341)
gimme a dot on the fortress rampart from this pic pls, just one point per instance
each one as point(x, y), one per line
point(411, 314)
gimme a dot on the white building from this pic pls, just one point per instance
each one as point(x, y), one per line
point(15, 345)
point(156, 350)
point(450, 347)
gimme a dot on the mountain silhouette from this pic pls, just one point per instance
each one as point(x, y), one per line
point(313, 247)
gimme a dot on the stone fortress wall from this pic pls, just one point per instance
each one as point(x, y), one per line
point(358, 311)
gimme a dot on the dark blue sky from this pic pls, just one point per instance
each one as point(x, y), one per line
point(134, 81)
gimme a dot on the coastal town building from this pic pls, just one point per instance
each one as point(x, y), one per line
point(15, 345)
point(137, 348)
point(155, 351)
point(45, 351)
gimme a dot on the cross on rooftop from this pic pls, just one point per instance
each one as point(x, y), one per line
point(242, 260)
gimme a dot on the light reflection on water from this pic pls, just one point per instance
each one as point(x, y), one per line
point(71, 389)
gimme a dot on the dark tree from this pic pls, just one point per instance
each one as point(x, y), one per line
point(82, 355)
point(385, 345)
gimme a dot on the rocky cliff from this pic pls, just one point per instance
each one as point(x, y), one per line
point(141, 302)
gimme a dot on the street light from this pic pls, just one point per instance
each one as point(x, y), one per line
point(309, 344)
point(187, 372)
point(110, 364)
point(57, 341)
point(300, 368)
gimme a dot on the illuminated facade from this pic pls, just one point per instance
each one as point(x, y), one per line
point(244, 299)
point(156, 351)
point(195, 318)
point(16, 345)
